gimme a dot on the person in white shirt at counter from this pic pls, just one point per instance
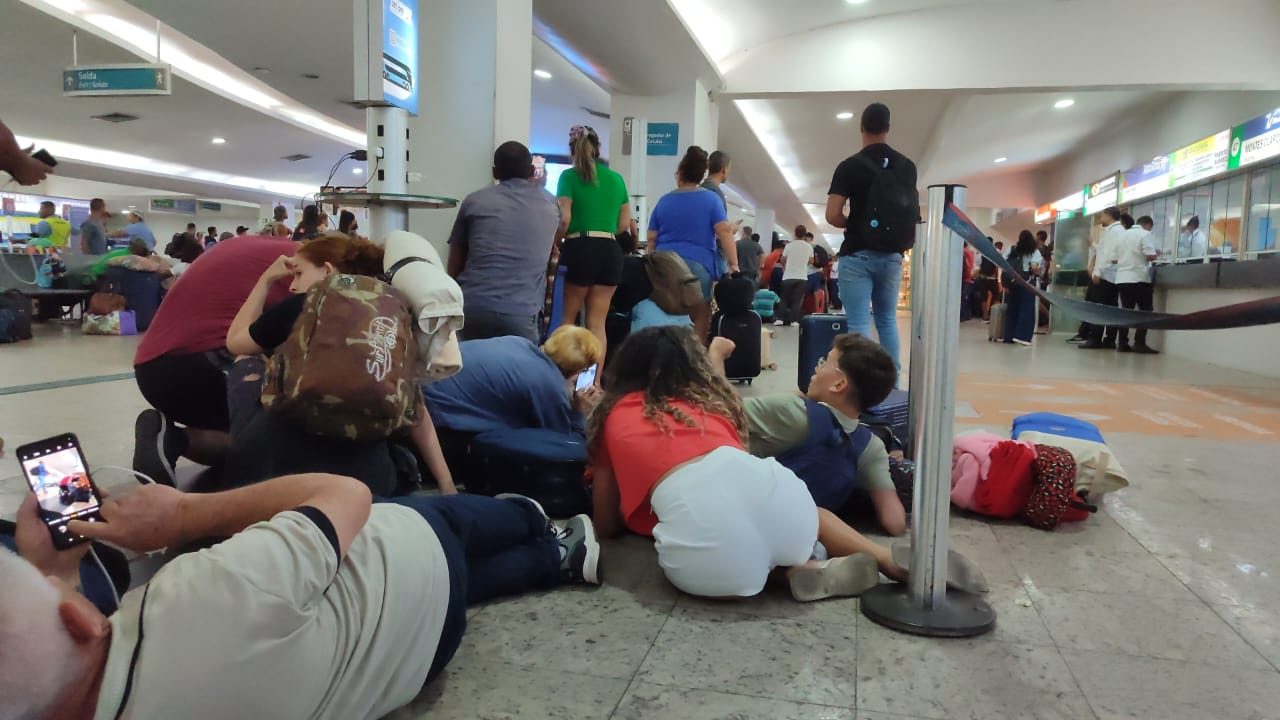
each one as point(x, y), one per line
point(136, 229)
point(1103, 271)
point(1132, 258)
point(1193, 245)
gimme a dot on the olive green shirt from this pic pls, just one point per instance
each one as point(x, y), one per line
point(779, 423)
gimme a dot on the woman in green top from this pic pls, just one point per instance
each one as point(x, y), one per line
point(594, 208)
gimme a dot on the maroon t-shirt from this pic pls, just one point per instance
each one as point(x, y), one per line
point(198, 310)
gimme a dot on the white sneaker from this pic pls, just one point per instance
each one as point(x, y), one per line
point(1022, 342)
point(795, 324)
point(778, 323)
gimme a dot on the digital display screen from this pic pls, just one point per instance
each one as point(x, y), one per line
point(60, 480)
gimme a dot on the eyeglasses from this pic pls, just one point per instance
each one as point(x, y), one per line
point(822, 362)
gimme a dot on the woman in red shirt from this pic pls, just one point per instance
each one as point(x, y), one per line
point(669, 460)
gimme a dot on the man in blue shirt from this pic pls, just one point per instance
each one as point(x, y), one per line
point(510, 383)
point(93, 235)
point(499, 248)
point(136, 229)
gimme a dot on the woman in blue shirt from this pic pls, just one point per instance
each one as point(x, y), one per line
point(690, 221)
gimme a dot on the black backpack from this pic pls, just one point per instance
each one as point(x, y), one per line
point(887, 218)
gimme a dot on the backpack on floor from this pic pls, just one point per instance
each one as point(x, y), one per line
point(675, 288)
point(887, 218)
point(16, 309)
point(735, 294)
point(1053, 493)
point(347, 368)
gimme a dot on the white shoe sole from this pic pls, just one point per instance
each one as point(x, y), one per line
point(840, 577)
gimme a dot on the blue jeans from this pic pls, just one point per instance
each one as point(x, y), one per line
point(1020, 320)
point(485, 324)
point(869, 283)
point(705, 281)
point(493, 548)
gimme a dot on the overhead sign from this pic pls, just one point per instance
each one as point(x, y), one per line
point(127, 79)
point(1202, 159)
point(211, 205)
point(1045, 214)
point(386, 53)
point(1148, 179)
point(1070, 203)
point(1255, 141)
point(664, 139)
point(1102, 194)
point(182, 206)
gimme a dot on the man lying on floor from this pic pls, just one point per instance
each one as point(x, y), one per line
point(320, 605)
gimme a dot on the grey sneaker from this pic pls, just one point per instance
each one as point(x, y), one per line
point(154, 453)
point(551, 526)
point(579, 551)
point(839, 577)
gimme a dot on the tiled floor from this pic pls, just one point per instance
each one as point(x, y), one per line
point(1166, 605)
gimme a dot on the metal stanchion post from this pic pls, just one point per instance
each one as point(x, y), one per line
point(919, 301)
point(925, 606)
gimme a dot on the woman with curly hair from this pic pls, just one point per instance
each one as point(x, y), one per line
point(668, 455)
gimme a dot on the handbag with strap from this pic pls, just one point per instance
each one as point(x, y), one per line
point(1053, 498)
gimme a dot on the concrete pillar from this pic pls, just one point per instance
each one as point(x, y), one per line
point(765, 220)
point(476, 67)
point(697, 117)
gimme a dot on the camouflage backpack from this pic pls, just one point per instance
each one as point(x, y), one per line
point(347, 368)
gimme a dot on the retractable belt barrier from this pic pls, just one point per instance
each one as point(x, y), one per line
point(1246, 314)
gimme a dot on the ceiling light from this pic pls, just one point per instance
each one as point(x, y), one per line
point(846, 115)
point(1064, 103)
point(1002, 159)
point(357, 171)
point(855, 2)
point(219, 141)
point(542, 74)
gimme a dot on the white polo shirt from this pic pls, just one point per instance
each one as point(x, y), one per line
point(797, 254)
point(269, 625)
point(1108, 243)
point(1132, 265)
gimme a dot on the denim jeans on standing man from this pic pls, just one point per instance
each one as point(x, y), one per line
point(869, 283)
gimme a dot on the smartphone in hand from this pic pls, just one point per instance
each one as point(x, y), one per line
point(43, 156)
point(58, 474)
point(586, 378)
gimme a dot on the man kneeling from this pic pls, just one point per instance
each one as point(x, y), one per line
point(320, 605)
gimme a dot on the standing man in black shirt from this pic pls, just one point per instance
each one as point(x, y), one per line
point(879, 185)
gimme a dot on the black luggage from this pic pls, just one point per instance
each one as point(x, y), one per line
point(141, 290)
point(545, 465)
point(16, 323)
point(743, 328)
point(889, 420)
point(735, 295)
point(817, 335)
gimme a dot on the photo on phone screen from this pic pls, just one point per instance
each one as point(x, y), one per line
point(586, 378)
point(57, 473)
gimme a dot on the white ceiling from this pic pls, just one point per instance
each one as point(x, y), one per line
point(174, 129)
point(725, 29)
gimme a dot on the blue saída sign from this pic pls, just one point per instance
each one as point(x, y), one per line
point(131, 79)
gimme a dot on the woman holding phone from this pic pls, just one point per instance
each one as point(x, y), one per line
point(1020, 323)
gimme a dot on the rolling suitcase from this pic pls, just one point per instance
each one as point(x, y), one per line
point(817, 334)
point(892, 415)
point(555, 308)
point(995, 326)
point(743, 328)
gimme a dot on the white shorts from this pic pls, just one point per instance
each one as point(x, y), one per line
point(727, 519)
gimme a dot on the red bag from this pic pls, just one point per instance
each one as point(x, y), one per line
point(1053, 497)
point(1009, 482)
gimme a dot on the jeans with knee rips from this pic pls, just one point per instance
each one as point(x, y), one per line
point(869, 283)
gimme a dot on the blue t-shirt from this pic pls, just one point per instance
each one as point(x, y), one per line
point(140, 230)
point(685, 221)
point(505, 383)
